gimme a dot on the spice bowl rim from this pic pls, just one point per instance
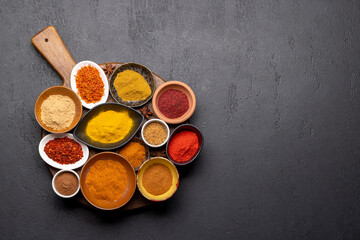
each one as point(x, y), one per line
point(167, 85)
point(64, 89)
point(155, 120)
point(57, 174)
point(177, 130)
point(103, 77)
point(175, 170)
point(136, 139)
point(135, 103)
point(56, 165)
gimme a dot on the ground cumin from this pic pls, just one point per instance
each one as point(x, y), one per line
point(66, 183)
point(155, 133)
point(57, 111)
point(157, 179)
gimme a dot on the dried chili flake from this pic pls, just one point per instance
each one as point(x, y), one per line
point(173, 103)
point(89, 84)
point(63, 150)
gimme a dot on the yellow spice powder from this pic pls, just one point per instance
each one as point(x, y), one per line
point(109, 126)
point(131, 86)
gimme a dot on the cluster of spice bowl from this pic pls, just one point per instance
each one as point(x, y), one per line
point(123, 136)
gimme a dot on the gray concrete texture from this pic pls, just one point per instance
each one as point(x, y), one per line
point(277, 84)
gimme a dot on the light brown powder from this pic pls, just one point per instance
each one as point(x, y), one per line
point(57, 111)
point(157, 179)
point(155, 133)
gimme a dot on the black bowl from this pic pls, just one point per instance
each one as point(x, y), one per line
point(186, 127)
point(144, 71)
point(80, 133)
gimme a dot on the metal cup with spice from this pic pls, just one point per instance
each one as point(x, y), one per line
point(155, 133)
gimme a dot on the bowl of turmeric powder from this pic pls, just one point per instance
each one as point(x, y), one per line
point(132, 84)
point(108, 126)
point(107, 181)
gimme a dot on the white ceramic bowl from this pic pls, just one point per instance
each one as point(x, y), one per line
point(161, 122)
point(54, 164)
point(103, 77)
point(59, 194)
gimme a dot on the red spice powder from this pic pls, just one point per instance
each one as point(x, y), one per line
point(173, 103)
point(183, 146)
point(64, 150)
point(89, 84)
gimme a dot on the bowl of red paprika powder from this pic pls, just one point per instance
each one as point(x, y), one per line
point(185, 144)
point(174, 102)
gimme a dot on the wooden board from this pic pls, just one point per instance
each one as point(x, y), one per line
point(51, 46)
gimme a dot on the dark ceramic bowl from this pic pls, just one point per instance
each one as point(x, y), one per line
point(80, 130)
point(186, 127)
point(144, 71)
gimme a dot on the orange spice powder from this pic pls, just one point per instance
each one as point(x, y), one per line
point(157, 179)
point(89, 84)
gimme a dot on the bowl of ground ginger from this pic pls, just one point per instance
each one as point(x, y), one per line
point(58, 109)
point(132, 84)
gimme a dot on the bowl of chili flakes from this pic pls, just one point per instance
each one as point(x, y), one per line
point(90, 83)
point(63, 151)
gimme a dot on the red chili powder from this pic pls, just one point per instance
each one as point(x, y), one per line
point(183, 146)
point(64, 150)
point(173, 103)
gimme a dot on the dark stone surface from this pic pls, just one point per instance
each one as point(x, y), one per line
point(277, 84)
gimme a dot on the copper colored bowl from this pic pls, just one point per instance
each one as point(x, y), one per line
point(177, 86)
point(61, 91)
point(131, 182)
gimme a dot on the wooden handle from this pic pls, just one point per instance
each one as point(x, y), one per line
point(50, 45)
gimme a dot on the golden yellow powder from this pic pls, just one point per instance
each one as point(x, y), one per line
point(131, 86)
point(109, 126)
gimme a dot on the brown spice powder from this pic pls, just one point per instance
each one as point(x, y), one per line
point(155, 133)
point(66, 183)
point(157, 179)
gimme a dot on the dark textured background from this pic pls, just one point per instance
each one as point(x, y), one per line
point(277, 84)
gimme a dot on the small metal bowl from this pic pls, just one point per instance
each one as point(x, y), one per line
point(147, 152)
point(186, 127)
point(144, 71)
point(161, 122)
point(54, 188)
